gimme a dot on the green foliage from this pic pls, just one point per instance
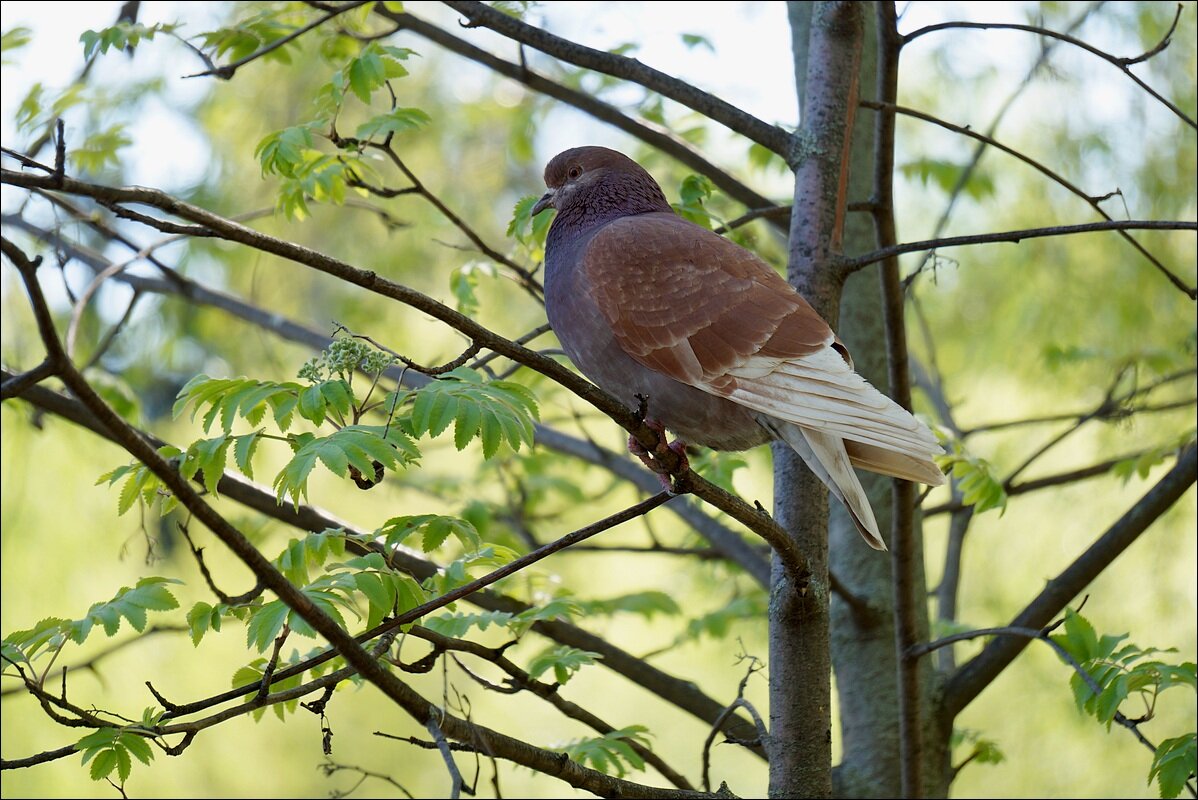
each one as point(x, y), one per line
point(120, 36)
point(309, 174)
point(946, 174)
point(356, 446)
point(647, 604)
point(693, 193)
point(437, 528)
point(464, 280)
point(718, 466)
point(100, 149)
point(528, 230)
point(457, 572)
point(15, 38)
point(458, 624)
point(981, 751)
point(563, 660)
point(492, 411)
point(1142, 464)
point(129, 603)
point(392, 122)
point(249, 35)
point(975, 478)
point(610, 752)
point(764, 159)
point(693, 40)
point(1120, 671)
point(111, 749)
point(253, 672)
point(1173, 764)
point(204, 617)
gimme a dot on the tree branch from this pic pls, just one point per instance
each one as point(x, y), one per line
point(1122, 64)
point(654, 135)
point(906, 551)
point(397, 691)
point(980, 672)
point(227, 71)
point(1018, 236)
point(755, 519)
point(629, 69)
point(1189, 291)
point(681, 693)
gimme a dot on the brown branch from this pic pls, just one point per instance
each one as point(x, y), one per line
point(657, 136)
point(800, 688)
point(521, 680)
point(1122, 64)
point(525, 277)
point(728, 542)
point(398, 692)
point(906, 552)
point(684, 694)
point(980, 672)
point(15, 385)
point(755, 519)
point(629, 69)
point(227, 71)
point(1018, 236)
point(1094, 203)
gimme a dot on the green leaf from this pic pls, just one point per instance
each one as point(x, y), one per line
point(494, 411)
point(610, 751)
point(396, 121)
point(15, 38)
point(1174, 763)
point(563, 660)
point(265, 623)
point(975, 478)
point(437, 529)
point(693, 40)
point(648, 604)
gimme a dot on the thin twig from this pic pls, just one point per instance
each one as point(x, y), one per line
point(1122, 64)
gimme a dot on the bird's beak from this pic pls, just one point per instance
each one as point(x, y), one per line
point(545, 202)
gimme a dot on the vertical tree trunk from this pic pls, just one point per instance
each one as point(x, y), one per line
point(863, 644)
point(800, 661)
point(861, 634)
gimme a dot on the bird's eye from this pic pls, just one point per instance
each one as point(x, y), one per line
point(574, 172)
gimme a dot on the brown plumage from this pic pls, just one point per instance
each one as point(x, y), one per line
point(729, 355)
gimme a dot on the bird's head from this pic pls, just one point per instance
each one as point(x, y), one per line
point(596, 180)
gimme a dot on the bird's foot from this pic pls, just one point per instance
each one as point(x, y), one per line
point(671, 479)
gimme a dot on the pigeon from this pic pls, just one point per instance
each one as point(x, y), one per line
point(654, 308)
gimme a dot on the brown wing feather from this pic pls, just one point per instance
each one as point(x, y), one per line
point(693, 305)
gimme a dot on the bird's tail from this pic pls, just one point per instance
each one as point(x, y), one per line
point(826, 456)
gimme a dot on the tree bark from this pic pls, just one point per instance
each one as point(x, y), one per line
point(827, 46)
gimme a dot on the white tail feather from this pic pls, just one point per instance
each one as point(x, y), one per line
point(825, 455)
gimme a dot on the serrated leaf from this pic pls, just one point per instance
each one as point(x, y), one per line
point(265, 623)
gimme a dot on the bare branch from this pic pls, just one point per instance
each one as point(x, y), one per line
point(1122, 64)
point(755, 519)
point(978, 673)
point(1018, 236)
point(1189, 291)
point(629, 69)
point(652, 134)
point(228, 70)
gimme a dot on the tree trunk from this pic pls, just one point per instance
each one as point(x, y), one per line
point(861, 634)
point(828, 42)
point(863, 643)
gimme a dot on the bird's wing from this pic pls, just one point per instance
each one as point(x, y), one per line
point(703, 310)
